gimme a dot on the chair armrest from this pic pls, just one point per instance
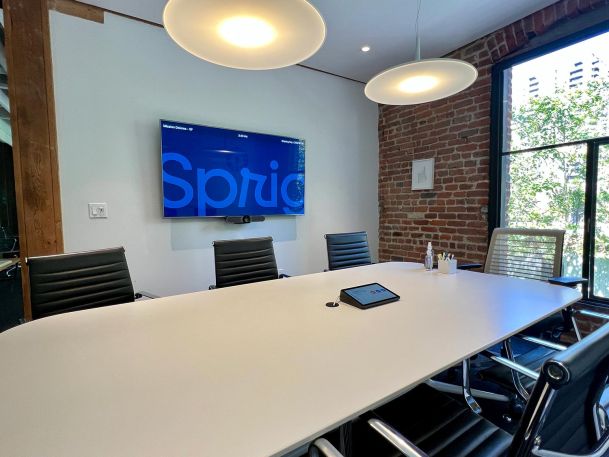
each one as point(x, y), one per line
point(587, 312)
point(567, 281)
point(469, 266)
point(283, 275)
point(143, 293)
point(212, 287)
point(396, 438)
point(512, 365)
point(325, 447)
point(541, 342)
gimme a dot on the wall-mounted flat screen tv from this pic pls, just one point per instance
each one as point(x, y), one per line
point(213, 172)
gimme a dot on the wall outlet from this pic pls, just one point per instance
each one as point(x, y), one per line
point(98, 210)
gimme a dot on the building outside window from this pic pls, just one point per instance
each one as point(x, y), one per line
point(552, 166)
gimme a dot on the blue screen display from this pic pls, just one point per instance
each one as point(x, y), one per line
point(217, 172)
point(371, 293)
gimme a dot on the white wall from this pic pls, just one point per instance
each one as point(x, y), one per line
point(114, 81)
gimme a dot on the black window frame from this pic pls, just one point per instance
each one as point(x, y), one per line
point(497, 140)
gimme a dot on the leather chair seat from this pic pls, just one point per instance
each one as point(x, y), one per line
point(437, 424)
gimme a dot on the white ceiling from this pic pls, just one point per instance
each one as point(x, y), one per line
point(387, 26)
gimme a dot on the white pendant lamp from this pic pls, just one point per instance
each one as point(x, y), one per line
point(422, 80)
point(246, 34)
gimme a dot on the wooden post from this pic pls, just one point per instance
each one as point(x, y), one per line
point(30, 84)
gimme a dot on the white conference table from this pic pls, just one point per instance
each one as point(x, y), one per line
point(254, 370)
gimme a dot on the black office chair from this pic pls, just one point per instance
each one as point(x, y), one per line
point(346, 250)
point(563, 416)
point(244, 261)
point(71, 282)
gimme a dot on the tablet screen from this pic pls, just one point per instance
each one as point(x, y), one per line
point(371, 293)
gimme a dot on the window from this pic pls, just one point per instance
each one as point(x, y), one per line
point(551, 134)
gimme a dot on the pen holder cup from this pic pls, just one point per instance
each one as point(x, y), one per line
point(447, 267)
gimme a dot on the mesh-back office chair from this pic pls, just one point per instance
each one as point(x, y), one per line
point(71, 282)
point(346, 250)
point(244, 261)
point(563, 418)
point(525, 253)
point(531, 254)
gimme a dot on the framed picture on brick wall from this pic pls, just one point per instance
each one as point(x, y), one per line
point(422, 174)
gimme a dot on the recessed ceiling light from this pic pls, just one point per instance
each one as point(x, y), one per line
point(251, 35)
point(365, 48)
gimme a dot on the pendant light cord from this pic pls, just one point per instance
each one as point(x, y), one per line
point(418, 38)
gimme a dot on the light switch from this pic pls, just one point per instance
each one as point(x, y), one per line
point(98, 210)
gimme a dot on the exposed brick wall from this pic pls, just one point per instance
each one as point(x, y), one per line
point(456, 132)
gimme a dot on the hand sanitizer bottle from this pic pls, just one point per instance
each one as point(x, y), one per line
point(429, 257)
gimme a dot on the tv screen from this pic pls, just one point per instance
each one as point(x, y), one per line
point(211, 172)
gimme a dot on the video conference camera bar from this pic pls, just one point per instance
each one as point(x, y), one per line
point(243, 219)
